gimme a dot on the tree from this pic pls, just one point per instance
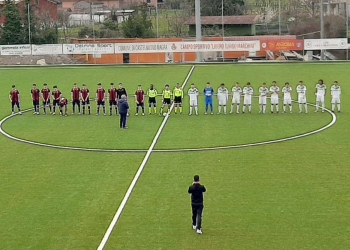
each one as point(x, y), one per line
point(138, 25)
point(12, 30)
point(88, 32)
point(40, 25)
point(214, 7)
point(63, 24)
point(109, 29)
point(334, 27)
point(181, 11)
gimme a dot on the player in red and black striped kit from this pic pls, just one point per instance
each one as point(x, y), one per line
point(140, 100)
point(56, 94)
point(63, 106)
point(85, 99)
point(100, 98)
point(35, 93)
point(45, 95)
point(112, 92)
point(15, 100)
point(75, 94)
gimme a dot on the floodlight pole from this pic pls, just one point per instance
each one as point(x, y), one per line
point(29, 31)
point(322, 27)
point(223, 28)
point(347, 27)
point(157, 20)
point(198, 26)
point(157, 24)
point(279, 17)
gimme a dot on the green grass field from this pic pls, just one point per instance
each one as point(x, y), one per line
point(290, 195)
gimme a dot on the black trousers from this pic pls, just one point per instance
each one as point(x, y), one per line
point(123, 120)
point(197, 211)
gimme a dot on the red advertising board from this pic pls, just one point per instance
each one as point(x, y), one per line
point(282, 44)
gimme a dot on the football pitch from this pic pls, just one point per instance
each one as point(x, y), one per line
point(63, 179)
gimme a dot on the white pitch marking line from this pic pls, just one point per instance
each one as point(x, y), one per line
point(84, 66)
point(57, 146)
point(138, 173)
point(334, 119)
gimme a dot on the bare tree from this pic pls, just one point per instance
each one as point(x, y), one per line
point(180, 11)
point(334, 27)
point(264, 8)
point(63, 24)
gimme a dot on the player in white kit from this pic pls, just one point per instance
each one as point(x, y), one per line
point(193, 94)
point(320, 94)
point(335, 93)
point(287, 97)
point(247, 100)
point(236, 97)
point(263, 92)
point(274, 90)
point(222, 97)
point(301, 90)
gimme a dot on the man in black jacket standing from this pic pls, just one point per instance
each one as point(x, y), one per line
point(196, 190)
point(123, 111)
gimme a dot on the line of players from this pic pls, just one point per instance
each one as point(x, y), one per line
point(79, 98)
point(176, 96)
point(264, 92)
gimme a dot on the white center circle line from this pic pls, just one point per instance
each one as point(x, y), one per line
point(333, 121)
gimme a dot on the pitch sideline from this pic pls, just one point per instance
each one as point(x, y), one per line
point(138, 173)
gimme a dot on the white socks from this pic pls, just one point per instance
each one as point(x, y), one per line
point(338, 107)
point(301, 107)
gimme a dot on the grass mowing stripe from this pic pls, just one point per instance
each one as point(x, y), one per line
point(138, 173)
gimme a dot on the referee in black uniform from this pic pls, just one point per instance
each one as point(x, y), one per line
point(196, 190)
point(120, 92)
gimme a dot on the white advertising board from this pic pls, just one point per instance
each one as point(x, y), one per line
point(332, 43)
point(88, 48)
point(12, 50)
point(47, 49)
point(187, 47)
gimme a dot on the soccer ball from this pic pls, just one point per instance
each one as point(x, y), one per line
point(165, 114)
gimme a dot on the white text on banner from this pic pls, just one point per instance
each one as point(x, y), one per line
point(12, 50)
point(187, 47)
point(332, 43)
point(88, 48)
point(47, 49)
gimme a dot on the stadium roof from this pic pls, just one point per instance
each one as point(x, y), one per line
point(217, 20)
